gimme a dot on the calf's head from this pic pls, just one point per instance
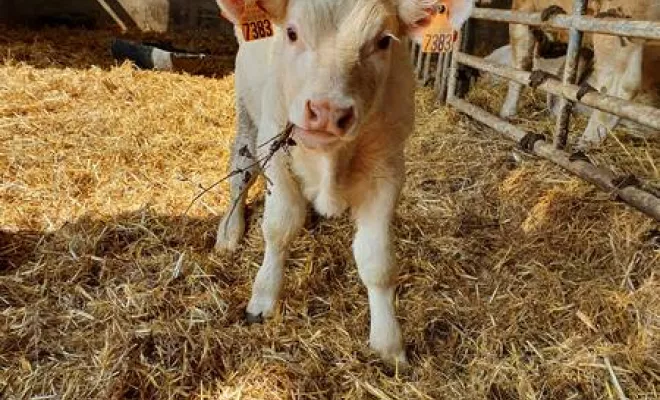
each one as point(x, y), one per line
point(334, 57)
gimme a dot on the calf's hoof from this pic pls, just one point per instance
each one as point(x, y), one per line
point(507, 113)
point(253, 319)
point(396, 356)
point(388, 343)
point(259, 308)
point(592, 138)
point(223, 246)
point(510, 107)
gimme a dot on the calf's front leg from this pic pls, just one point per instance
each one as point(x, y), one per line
point(522, 46)
point(284, 216)
point(378, 271)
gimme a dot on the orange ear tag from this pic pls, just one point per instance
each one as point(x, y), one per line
point(256, 23)
point(439, 36)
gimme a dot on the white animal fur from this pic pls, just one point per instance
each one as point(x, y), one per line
point(335, 57)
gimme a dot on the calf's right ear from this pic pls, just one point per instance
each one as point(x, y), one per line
point(233, 9)
point(418, 14)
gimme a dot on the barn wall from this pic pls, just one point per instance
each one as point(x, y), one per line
point(167, 15)
point(146, 15)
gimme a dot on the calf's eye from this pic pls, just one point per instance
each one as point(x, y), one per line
point(291, 34)
point(384, 43)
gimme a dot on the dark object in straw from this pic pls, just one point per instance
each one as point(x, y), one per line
point(141, 55)
point(149, 55)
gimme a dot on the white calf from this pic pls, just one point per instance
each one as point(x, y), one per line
point(338, 71)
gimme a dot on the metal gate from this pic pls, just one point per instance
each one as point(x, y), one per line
point(443, 69)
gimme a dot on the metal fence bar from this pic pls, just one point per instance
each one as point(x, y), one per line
point(452, 78)
point(427, 69)
point(438, 72)
point(645, 115)
point(570, 75)
point(602, 178)
point(446, 83)
point(444, 80)
point(628, 28)
point(413, 51)
point(418, 64)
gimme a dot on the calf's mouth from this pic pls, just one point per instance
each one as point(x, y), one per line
point(313, 139)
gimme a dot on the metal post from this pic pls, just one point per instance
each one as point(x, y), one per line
point(570, 75)
point(413, 51)
point(418, 64)
point(453, 70)
point(444, 80)
point(465, 45)
point(438, 74)
point(427, 69)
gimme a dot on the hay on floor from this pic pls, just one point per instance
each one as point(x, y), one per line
point(519, 281)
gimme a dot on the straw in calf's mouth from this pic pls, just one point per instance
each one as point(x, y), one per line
point(281, 141)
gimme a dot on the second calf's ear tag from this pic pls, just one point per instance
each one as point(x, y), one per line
point(438, 35)
point(256, 23)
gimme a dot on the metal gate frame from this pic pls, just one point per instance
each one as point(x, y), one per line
point(447, 79)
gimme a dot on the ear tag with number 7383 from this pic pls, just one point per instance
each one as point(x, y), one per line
point(256, 23)
point(439, 36)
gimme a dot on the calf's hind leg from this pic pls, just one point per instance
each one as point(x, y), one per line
point(243, 158)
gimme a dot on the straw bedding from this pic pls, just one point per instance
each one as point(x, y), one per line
point(518, 280)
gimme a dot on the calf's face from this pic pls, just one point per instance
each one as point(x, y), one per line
point(338, 57)
point(335, 58)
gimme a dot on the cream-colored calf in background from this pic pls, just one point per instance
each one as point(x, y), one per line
point(649, 93)
point(618, 68)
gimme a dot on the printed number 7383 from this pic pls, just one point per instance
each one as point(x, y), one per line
point(438, 43)
point(257, 30)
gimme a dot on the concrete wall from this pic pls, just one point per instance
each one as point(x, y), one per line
point(146, 15)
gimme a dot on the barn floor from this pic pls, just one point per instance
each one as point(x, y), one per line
point(518, 280)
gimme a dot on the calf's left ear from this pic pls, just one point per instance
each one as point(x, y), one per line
point(418, 14)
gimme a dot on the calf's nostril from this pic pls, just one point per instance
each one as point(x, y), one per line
point(345, 121)
point(311, 114)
